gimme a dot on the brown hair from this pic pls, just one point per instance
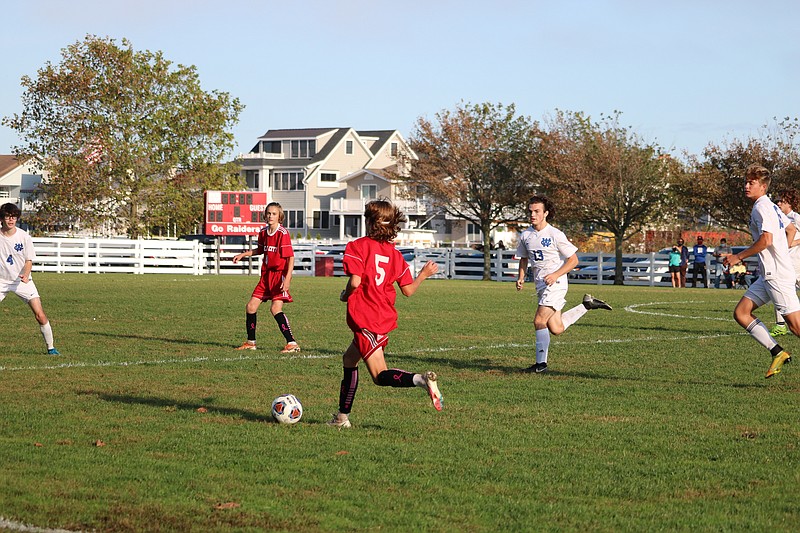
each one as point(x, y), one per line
point(9, 209)
point(757, 172)
point(791, 197)
point(280, 211)
point(548, 206)
point(383, 220)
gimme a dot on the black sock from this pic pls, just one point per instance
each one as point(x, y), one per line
point(283, 325)
point(251, 326)
point(395, 378)
point(775, 350)
point(347, 392)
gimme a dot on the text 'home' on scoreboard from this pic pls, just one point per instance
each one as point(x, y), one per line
point(234, 212)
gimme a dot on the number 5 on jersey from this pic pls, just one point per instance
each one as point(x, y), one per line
point(381, 273)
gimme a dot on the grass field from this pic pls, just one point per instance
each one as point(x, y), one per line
point(652, 417)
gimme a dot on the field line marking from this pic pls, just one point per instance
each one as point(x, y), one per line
point(633, 308)
point(19, 526)
point(441, 349)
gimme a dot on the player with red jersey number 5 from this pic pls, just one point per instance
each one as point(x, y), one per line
point(374, 265)
point(275, 244)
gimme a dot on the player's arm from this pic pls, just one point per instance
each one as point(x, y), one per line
point(763, 242)
point(352, 283)
point(568, 266)
point(25, 274)
point(523, 269)
point(791, 233)
point(427, 271)
point(287, 274)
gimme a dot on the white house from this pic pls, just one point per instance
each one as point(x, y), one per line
point(17, 182)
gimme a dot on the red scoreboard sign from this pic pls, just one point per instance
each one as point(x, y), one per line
point(234, 212)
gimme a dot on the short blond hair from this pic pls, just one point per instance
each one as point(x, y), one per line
point(757, 172)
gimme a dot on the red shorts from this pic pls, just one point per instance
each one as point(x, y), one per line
point(366, 341)
point(269, 287)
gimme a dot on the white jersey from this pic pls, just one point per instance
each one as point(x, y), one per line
point(14, 252)
point(546, 250)
point(774, 261)
point(794, 251)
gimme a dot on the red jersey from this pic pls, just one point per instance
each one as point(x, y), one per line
point(276, 248)
point(379, 265)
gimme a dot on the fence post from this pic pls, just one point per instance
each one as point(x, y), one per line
point(600, 268)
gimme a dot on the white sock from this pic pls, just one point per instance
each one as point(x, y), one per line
point(779, 318)
point(47, 333)
point(760, 333)
point(542, 344)
point(573, 315)
point(419, 381)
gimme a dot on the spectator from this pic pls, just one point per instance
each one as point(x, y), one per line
point(675, 266)
point(699, 266)
point(684, 261)
point(721, 271)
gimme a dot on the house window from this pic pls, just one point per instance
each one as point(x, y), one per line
point(251, 179)
point(321, 219)
point(287, 181)
point(328, 177)
point(294, 219)
point(348, 147)
point(369, 192)
point(473, 232)
point(304, 149)
point(271, 147)
point(393, 149)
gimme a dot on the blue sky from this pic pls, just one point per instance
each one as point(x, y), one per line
point(683, 73)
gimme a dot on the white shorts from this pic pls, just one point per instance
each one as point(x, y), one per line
point(554, 295)
point(781, 294)
point(26, 291)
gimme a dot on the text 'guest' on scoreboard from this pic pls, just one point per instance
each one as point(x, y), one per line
point(234, 212)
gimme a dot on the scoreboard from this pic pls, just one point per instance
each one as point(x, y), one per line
point(234, 212)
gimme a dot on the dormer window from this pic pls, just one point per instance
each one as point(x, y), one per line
point(271, 147)
point(393, 149)
point(304, 149)
point(348, 147)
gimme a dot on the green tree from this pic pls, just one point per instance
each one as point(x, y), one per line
point(176, 204)
point(109, 123)
point(474, 163)
point(605, 177)
point(715, 186)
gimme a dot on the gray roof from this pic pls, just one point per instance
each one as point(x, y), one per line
point(382, 135)
point(302, 133)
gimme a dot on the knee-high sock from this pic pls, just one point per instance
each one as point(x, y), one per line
point(283, 325)
point(47, 333)
point(760, 333)
point(542, 344)
point(779, 318)
point(250, 323)
point(347, 392)
point(573, 315)
point(394, 377)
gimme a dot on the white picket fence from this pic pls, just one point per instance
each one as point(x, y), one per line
point(142, 256)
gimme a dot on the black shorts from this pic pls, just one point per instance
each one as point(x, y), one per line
point(676, 268)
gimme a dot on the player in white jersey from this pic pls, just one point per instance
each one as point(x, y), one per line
point(771, 233)
point(552, 257)
point(786, 201)
point(17, 254)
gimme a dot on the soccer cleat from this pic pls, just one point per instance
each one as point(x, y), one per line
point(590, 302)
point(433, 390)
point(53, 351)
point(340, 421)
point(291, 347)
point(779, 329)
point(777, 364)
point(538, 368)
point(247, 345)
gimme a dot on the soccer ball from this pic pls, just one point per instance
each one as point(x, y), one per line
point(287, 409)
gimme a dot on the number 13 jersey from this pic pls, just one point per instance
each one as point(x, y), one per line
point(379, 265)
point(546, 250)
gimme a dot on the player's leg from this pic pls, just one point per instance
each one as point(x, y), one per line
point(780, 325)
point(757, 295)
point(787, 304)
point(251, 314)
point(283, 325)
point(546, 317)
point(44, 324)
point(348, 387)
